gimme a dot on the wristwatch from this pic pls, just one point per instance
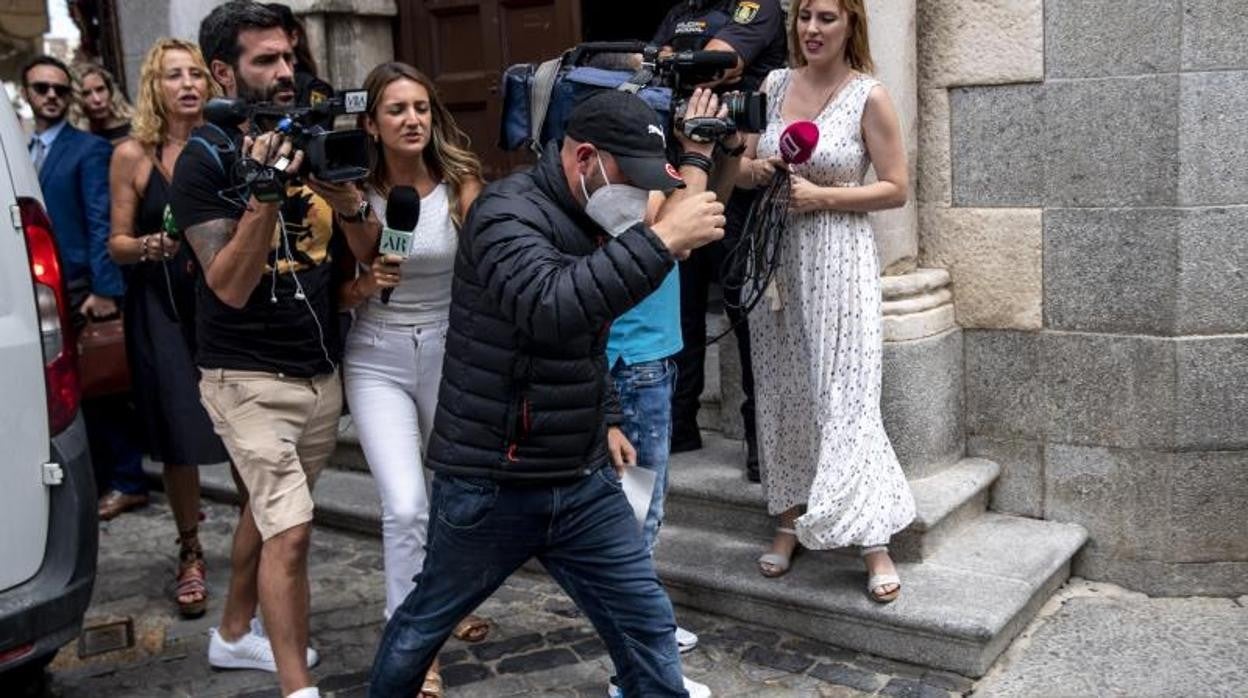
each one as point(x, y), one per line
point(360, 214)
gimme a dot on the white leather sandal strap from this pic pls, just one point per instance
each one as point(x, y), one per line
point(775, 560)
point(872, 549)
point(878, 580)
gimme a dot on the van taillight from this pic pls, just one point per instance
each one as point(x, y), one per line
point(59, 356)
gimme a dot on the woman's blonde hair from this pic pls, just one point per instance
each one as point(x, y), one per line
point(151, 115)
point(117, 104)
point(448, 155)
point(857, 46)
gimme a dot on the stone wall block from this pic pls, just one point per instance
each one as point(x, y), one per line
point(1157, 578)
point(1207, 495)
point(1004, 385)
point(1111, 270)
point(1212, 393)
point(1109, 390)
point(1119, 496)
point(921, 401)
point(1093, 38)
point(371, 41)
point(1213, 271)
point(1213, 34)
point(998, 144)
point(1111, 142)
point(934, 182)
point(1213, 133)
point(980, 42)
point(1020, 489)
point(994, 257)
point(141, 24)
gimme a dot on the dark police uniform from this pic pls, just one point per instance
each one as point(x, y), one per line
point(756, 31)
point(754, 28)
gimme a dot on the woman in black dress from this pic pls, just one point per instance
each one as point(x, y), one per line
point(159, 302)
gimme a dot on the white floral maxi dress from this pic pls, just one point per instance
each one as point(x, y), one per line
point(817, 358)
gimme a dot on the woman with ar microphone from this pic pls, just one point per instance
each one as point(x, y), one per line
point(818, 346)
point(393, 360)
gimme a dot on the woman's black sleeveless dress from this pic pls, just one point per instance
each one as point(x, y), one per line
point(160, 344)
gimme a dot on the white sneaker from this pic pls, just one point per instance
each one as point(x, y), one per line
point(257, 627)
point(309, 692)
point(251, 651)
point(685, 640)
point(695, 689)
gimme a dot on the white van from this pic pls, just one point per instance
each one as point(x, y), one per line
point(48, 530)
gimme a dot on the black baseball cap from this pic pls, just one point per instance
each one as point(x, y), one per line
point(625, 126)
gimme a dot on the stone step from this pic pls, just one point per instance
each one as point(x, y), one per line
point(707, 490)
point(959, 608)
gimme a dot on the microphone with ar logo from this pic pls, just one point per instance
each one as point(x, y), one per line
point(402, 215)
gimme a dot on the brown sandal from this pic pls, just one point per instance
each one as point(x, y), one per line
point(190, 580)
point(472, 629)
point(432, 687)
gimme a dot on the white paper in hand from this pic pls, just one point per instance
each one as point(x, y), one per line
point(638, 488)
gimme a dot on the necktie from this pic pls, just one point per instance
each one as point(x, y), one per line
point(37, 152)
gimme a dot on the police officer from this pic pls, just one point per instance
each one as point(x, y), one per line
point(752, 29)
point(755, 31)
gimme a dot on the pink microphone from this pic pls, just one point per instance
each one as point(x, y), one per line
point(798, 142)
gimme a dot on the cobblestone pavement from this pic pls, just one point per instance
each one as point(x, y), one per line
point(540, 646)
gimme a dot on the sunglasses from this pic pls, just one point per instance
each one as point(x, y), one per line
point(43, 88)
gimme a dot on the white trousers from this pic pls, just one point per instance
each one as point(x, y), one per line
point(392, 373)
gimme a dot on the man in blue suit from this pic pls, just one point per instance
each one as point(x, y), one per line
point(73, 173)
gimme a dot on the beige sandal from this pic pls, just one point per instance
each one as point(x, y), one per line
point(774, 565)
point(432, 687)
point(472, 629)
point(876, 583)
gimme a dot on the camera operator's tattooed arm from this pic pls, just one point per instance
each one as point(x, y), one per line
point(233, 254)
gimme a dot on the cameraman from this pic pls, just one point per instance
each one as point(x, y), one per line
point(755, 32)
point(263, 309)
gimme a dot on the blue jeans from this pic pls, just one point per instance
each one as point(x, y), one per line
point(583, 532)
point(646, 397)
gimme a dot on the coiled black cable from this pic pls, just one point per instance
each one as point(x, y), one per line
point(750, 264)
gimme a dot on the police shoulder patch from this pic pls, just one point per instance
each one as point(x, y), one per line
point(745, 12)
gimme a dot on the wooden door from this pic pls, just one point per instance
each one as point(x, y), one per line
point(464, 45)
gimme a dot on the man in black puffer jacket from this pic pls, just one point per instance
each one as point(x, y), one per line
point(523, 444)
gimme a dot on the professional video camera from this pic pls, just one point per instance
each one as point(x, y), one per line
point(685, 70)
point(328, 155)
point(538, 98)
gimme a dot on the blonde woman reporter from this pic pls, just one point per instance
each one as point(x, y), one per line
point(818, 349)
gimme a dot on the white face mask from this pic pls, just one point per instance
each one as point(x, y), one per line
point(615, 207)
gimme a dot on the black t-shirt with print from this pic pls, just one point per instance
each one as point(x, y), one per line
point(286, 327)
point(754, 28)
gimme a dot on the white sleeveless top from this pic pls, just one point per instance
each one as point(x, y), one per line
point(424, 293)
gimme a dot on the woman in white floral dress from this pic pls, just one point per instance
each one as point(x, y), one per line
point(818, 345)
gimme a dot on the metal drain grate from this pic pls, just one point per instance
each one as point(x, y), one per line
point(108, 637)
